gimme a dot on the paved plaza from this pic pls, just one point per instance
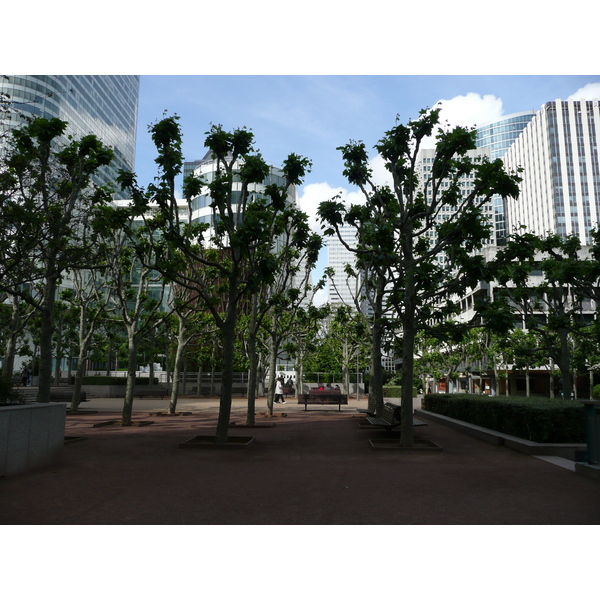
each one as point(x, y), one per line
point(314, 467)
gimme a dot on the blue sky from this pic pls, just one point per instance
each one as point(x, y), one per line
point(313, 115)
point(307, 78)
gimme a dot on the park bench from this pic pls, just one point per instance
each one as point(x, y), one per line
point(150, 392)
point(390, 417)
point(239, 388)
point(323, 397)
point(371, 409)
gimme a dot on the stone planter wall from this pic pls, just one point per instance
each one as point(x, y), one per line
point(31, 436)
point(104, 391)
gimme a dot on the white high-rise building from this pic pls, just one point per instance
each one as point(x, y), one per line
point(202, 212)
point(466, 184)
point(558, 151)
point(343, 289)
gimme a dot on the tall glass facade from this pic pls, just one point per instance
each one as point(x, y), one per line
point(499, 136)
point(560, 191)
point(105, 105)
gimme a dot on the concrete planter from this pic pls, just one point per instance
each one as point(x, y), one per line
point(31, 436)
point(105, 391)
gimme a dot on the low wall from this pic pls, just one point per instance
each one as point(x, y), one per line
point(104, 391)
point(111, 391)
point(31, 436)
point(569, 451)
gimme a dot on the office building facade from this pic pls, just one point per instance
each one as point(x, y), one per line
point(498, 136)
point(558, 151)
point(103, 105)
point(343, 289)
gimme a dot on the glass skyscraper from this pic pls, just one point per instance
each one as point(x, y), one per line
point(104, 105)
point(499, 135)
point(560, 191)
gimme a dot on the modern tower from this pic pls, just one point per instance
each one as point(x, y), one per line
point(560, 191)
point(202, 212)
point(104, 105)
point(499, 135)
point(343, 289)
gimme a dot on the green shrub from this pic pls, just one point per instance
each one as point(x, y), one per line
point(543, 420)
point(596, 391)
point(395, 391)
point(104, 380)
point(392, 391)
point(8, 393)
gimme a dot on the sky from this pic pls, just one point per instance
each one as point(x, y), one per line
point(307, 78)
point(312, 115)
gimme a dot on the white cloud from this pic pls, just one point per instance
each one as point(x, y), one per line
point(381, 176)
point(313, 194)
point(471, 110)
point(590, 91)
point(321, 297)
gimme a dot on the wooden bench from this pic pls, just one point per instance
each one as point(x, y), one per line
point(391, 417)
point(239, 388)
point(150, 392)
point(371, 409)
point(323, 397)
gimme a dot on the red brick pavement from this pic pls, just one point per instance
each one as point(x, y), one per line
point(310, 468)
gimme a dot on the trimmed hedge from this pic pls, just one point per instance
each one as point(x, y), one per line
point(392, 391)
point(395, 391)
point(104, 380)
point(542, 420)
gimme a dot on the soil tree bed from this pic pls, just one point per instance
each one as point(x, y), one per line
point(210, 441)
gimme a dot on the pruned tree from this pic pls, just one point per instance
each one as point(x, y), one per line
point(90, 299)
point(232, 257)
point(46, 198)
point(403, 229)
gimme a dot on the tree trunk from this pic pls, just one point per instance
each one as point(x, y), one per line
point(527, 385)
point(11, 339)
point(228, 330)
point(376, 379)
point(46, 331)
point(272, 375)
point(131, 373)
point(109, 358)
point(564, 363)
point(199, 380)
point(252, 378)
point(78, 380)
point(299, 373)
point(253, 360)
point(408, 347)
point(84, 345)
point(177, 369)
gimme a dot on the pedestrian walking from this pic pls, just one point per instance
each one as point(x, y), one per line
point(279, 390)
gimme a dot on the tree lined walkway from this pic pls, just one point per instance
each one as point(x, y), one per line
point(311, 468)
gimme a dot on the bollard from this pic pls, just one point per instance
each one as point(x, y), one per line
point(592, 430)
